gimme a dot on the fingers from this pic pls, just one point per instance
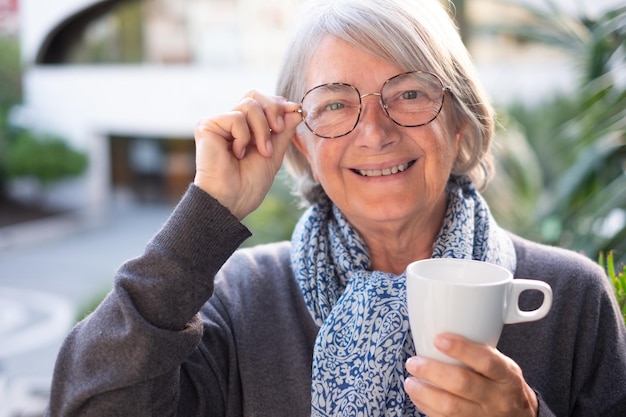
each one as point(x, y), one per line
point(482, 358)
point(447, 384)
point(265, 116)
point(490, 383)
point(505, 388)
point(255, 121)
point(436, 402)
point(253, 118)
point(238, 153)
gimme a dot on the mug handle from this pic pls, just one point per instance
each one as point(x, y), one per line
point(513, 314)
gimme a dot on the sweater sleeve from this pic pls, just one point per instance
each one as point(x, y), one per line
point(129, 357)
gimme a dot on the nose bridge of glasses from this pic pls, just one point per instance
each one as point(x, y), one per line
point(379, 95)
point(380, 100)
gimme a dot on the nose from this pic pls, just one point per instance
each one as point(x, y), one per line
point(374, 127)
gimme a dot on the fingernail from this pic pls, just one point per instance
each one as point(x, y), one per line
point(443, 343)
point(243, 153)
point(411, 384)
point(269, 146)
point(414, 362)
point(281, 123)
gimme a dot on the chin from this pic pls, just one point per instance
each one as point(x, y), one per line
point(381, 209)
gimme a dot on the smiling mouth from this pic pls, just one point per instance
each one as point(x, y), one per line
point(383, 172)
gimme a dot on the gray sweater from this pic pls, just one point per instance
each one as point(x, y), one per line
point(195, 327)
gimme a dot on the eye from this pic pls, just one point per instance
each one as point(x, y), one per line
point(411, 94)
point(325, 108)
point(334, 106)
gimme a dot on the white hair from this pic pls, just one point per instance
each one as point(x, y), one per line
point(412, 34)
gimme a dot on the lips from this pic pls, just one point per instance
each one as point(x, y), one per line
point(385, 171)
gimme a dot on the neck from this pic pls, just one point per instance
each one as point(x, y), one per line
point(393, 246)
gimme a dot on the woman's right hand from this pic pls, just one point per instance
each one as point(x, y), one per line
point(239, 153)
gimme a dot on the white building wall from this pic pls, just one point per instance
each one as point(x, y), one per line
point(85, 104)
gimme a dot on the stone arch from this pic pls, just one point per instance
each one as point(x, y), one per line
point(66, 34)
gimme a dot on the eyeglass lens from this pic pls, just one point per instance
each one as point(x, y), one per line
point(410, 99)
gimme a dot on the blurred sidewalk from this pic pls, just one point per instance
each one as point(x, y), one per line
point(49, 271)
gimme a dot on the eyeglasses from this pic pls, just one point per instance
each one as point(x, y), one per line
point(410, 99)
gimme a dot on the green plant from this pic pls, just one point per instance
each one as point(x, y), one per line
point(10, 94)
point(275, 219)
point(562, 162)
point(10, 72)
point(46, 158)
point(617, 277)
point(88, 306)
point(22, 152)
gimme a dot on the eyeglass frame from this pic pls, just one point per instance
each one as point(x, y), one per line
point(384, 105)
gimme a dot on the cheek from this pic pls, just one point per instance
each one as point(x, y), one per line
point(446, 143)
point(321, 159)
point(326, 161)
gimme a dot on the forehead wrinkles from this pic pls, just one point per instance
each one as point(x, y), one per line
point(364, 77)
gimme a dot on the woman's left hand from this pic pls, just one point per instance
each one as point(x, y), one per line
point(491, 385)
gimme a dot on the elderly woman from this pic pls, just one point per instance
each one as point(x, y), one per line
point(386, 132)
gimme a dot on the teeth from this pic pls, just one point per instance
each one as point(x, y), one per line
point(383, 172)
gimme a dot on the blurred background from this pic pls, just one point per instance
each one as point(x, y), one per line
point(99, 99)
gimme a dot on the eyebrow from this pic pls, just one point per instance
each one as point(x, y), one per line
point(336, 86)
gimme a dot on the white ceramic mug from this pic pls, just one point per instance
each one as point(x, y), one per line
point(471, 298)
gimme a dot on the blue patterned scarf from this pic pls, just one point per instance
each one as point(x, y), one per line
point(364, 338)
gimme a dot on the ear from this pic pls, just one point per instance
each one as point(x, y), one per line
point(458, 137)
point(302, 141)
